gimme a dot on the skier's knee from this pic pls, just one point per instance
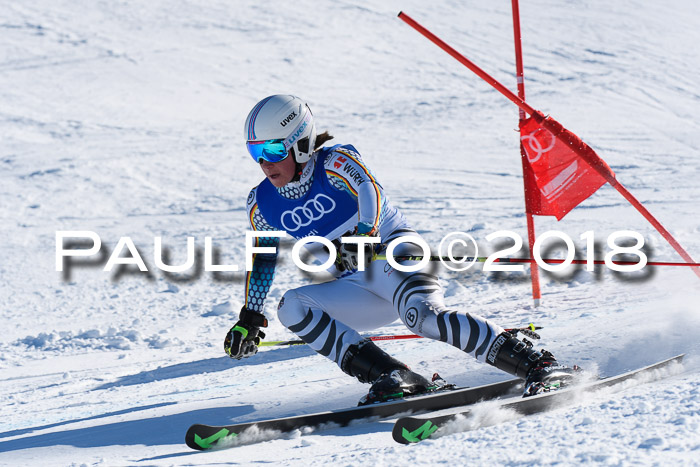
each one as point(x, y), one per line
point(415, 314)
point(290, 309)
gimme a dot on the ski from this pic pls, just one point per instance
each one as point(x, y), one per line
point(205, 437)
point(413, 429)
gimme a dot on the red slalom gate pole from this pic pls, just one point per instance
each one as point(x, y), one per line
point(483, 259)
point(574, 142)
point(390, 337)
point(468, 63)
point(519, 72)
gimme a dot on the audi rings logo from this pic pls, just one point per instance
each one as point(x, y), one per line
point(312, 210)
point(535, 144)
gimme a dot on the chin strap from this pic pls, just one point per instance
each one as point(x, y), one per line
point(297, 166)
point(297, 172)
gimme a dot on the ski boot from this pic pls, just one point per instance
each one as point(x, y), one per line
point(540, 370)
point(390, 378)
point(397, 384)
point(548, 375)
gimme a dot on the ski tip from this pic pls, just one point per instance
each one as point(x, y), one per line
point(678, 358)
point(203, 437)
point(410, 430)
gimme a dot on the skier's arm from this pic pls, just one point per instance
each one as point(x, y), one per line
point(346, 171)
point(259, 280)
point(243, 338)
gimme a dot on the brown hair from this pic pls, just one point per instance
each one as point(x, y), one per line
point(322, 139)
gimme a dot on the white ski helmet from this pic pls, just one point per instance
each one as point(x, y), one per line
point(278, 126)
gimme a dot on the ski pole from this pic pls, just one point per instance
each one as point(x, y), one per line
point(389, 337)
point(482, 259)
point(528, 331)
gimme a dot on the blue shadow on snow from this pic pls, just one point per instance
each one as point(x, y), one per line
point(209, 365)
point(24, 431)
point(155, 431)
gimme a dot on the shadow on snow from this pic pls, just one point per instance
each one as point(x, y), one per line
point(209, 365)
point(155, 431)
point(24, 431)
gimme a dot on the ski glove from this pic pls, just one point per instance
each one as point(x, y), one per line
point(348, 254)
point(244, 337)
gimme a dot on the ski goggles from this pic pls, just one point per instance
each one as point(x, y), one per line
point(276, 150)
point(271, 150)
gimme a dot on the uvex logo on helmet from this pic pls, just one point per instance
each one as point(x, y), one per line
point(289, 118)
point(295, 135)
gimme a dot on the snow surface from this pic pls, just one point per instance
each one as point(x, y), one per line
point(125, 118)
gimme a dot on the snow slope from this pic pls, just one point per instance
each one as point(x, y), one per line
point(125, 118)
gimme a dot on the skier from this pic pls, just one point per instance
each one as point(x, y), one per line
point(330, 192)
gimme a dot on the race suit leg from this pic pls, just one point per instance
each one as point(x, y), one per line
point(418, 300)
point(327, 316)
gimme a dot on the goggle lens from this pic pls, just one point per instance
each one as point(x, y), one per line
point(271, 150)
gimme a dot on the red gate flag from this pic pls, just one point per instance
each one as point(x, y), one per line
point(559, 132)
point(557, 179)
